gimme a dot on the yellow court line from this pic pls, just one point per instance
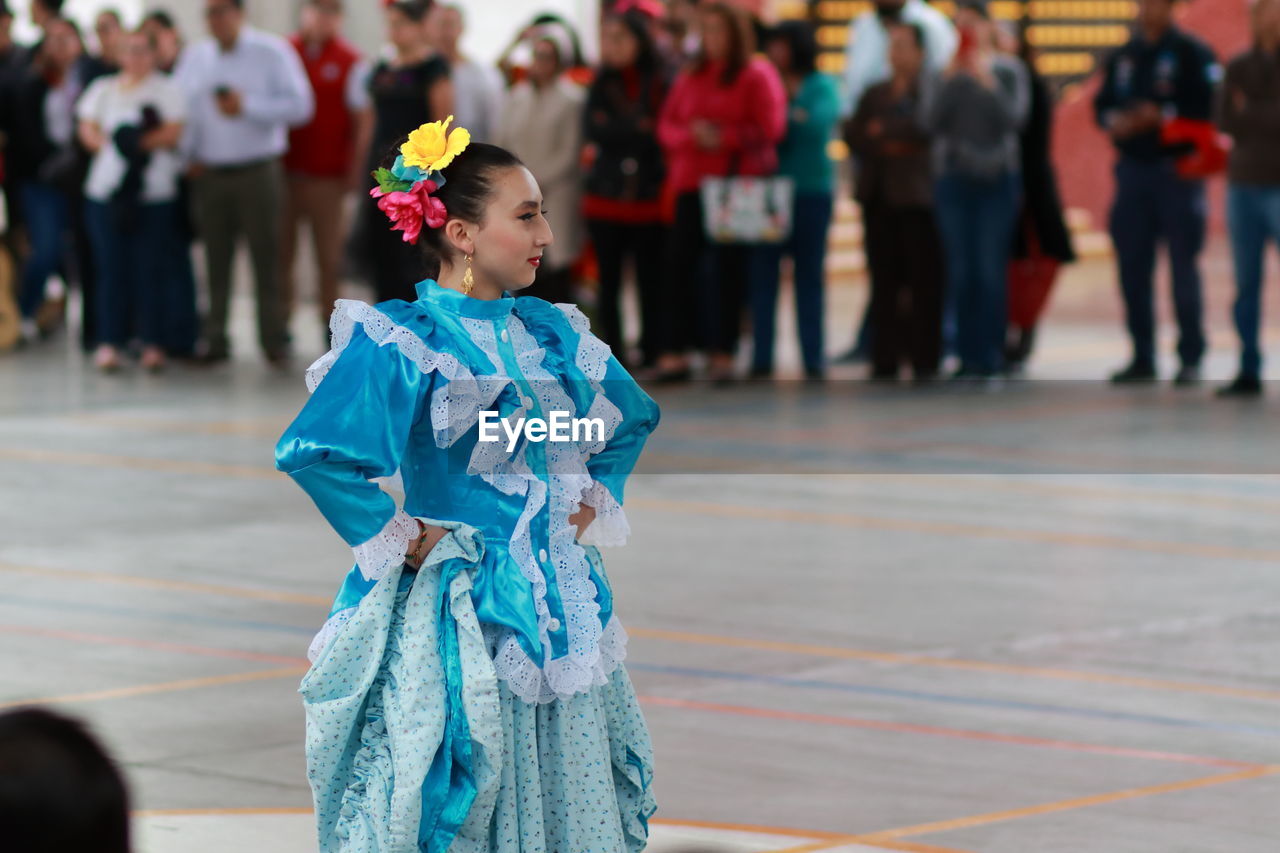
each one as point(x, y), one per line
point(946, 529)
point(162, 583)
point(257, 428)
point(1014, 483)
point(221, 812)
point(810, 650)
point(272, 427)
point(1032, 811)
point(690, 824)
point(955, 529)
point(143, 463)
point(164, 687)
point(954, 663)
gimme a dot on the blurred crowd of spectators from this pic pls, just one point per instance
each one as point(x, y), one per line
point(117, 160)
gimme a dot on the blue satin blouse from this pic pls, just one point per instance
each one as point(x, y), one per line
point(398, 399)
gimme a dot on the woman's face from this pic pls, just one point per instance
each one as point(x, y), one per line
point(61, 44)
point(906, 57)
point(715, 36)
point(514, 233)
point(1267, 19)
point(779, 53)
point(980, 27)
point(139, 58)
point(618, 46)
point(404, 33)
point(546, 62)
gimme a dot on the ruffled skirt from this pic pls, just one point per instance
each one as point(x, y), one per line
point(414, 744)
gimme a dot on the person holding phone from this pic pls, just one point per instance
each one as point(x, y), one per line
point(132, 124)
point(245, 89)
point(975, 116)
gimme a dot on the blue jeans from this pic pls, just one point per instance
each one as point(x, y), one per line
point(807, 246)
point(1253, 212)
point(976, 219)
point(1154, 205)
point(46, 212)
point(135, 272)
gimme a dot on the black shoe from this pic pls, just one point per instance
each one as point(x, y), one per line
point(671, 376)
point(1244, 385)
point(1135, 374)
point(853, 356)
point(815, 375)
point(279, 360)
point(210, 359)
point(924, 377)
point(760, 373)
point(1188, 376)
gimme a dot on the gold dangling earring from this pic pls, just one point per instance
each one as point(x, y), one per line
point(468, 281)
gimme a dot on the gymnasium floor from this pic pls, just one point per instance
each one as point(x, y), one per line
point(1038, 620)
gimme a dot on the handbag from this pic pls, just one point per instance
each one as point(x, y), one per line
point(743, 209)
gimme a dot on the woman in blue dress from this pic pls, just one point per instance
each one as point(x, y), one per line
point(467, 692)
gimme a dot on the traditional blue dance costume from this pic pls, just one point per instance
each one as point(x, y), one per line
point(479, 703)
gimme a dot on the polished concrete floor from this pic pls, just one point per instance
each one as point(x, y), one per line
point(1035, 619)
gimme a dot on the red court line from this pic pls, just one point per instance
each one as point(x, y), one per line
point(135, 642)
point(940, 731)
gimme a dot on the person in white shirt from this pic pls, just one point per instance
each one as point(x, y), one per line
point(132, 123)
point(245, 89)
point(542, 125)
point(477, 88)
point(866, 58)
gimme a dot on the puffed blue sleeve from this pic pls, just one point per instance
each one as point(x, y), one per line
point(355, 428)
point(640, 416)
point(633, 415)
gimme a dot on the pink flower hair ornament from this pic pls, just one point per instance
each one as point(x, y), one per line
point(404, 192)
point(410, 209)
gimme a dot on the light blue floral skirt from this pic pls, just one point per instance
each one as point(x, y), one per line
point(413, 744)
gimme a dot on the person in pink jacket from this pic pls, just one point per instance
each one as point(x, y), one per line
point(726, 114)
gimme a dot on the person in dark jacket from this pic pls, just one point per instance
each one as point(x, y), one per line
point(1160, 74)
point(48, 167)
point(895, 189)
point(1249, 110)
point(1041, 243)
point(623, 201)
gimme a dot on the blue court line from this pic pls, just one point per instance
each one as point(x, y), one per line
point(950, 699)
point(186, 618)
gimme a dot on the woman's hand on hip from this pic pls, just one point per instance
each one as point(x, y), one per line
point(421, 547)
point(582, 518)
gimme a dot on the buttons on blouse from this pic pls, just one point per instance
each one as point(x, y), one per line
point(542, 555)
point(505, 337)
point(553, 625)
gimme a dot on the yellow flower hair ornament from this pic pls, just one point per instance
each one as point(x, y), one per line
point(404, 192)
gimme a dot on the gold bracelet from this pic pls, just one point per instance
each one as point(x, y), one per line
point(413, 554)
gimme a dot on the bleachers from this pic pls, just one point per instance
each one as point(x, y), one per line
point(1070, 35)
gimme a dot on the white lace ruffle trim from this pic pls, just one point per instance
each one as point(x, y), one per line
point(455, 405)
point(328, 631)
point(541, 684)
point(610, 527)
point(378, 555)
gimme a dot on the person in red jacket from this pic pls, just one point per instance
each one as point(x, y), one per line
point(324, 159)
point(726, 114)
